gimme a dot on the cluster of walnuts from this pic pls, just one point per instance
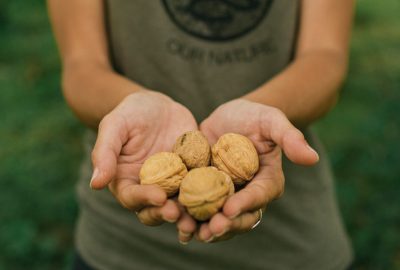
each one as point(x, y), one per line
point(203, 189)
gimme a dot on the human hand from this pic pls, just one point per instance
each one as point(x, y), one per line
point(144, 123)
point(270, 131)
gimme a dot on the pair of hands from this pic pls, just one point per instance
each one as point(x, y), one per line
point(148, 122)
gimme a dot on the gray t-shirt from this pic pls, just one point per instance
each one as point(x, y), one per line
point(203, 53)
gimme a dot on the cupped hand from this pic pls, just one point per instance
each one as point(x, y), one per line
point(144, 123)
point(270, 131)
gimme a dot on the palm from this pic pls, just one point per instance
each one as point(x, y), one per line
point(269, 130)
point(245, 118)
point(142, 124)
point(150, 125)
point(150, 131)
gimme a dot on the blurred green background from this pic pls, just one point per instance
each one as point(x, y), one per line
point(40, 146)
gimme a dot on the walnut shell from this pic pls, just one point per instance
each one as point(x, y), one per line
point(194, 149)
point(204, 191)
point(164, 169)
point(236, 155)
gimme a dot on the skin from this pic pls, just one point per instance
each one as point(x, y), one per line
point(305, 91)
point(144, 123)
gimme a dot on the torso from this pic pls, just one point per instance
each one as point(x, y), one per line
point(203, 53)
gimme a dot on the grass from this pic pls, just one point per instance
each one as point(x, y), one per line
point(40, 147)
point(39, 144)
point(362, 136)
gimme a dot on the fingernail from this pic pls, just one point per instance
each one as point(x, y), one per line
point(209, 239)
point(184, 234)
point(183, 242)
point(312, 149)
point(221, 233)
point(170, 220)
point(94, 175)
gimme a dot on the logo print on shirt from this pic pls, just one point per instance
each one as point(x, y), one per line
point(217, 20)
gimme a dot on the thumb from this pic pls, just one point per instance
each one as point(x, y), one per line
point(208, 132)
point(111, 136)
point(276, 126)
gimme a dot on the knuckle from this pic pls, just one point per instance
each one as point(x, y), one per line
point(286, 138)
point(111, 120)
point(274, 112)
point(260, 195)
point(104, 122)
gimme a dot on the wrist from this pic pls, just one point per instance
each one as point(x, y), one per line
point(93, 91)
point(142, 92)
point(249, 100)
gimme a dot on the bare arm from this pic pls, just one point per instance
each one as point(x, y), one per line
point(130, 126)
point(304, 91)
point(308, 88)
point(90, 86)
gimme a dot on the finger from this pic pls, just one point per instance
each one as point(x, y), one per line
point(210, 135)
point(154, 216)
point(204, 234)
point(184, 238)
point(258, 193)
point(245, 222)
point(215, 228)
point(170, 212)
point(111, 136)
point(241, 224)
point(134, 196)
point(219, 225)
point(276, 126)
point(150, 216)
point(186, 227)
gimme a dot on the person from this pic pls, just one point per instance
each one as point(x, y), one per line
point(140, 73)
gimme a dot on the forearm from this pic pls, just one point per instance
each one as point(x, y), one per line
point(307, 89)
point(92, 91)
point(90, 86)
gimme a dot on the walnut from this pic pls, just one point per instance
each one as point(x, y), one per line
point(194, 149)
point(235, 155)
point(204, 191)
point(164, 169)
